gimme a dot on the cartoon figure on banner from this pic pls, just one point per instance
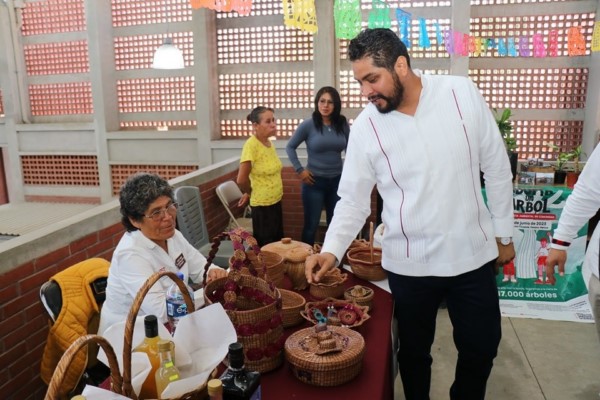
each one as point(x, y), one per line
point(509, 272)
point(541, 256)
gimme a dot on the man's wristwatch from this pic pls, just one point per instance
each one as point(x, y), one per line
point(504, 241)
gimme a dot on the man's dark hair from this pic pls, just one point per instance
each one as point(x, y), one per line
point(382, 45)
point(136, 195)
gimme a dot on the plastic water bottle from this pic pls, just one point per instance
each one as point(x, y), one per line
point(176, 306)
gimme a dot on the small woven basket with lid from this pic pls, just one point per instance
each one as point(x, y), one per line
point(362, 295)
point(294, 255)
point(326, 358)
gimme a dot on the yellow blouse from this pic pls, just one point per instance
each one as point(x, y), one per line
point(265, 176)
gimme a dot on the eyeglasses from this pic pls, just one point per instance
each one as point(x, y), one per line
point(158, 215)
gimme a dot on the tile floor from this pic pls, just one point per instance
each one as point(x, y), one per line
point(537, 360)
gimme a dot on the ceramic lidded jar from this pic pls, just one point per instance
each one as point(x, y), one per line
point(294, 255)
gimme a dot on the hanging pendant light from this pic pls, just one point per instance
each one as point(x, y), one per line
point(168, 56)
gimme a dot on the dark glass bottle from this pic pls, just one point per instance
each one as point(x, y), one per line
point(238, 382)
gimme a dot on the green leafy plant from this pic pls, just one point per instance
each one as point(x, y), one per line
point(562, 158)
point(576, 157)
point(506, 129)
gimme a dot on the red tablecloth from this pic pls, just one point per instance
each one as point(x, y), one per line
point(374, 381)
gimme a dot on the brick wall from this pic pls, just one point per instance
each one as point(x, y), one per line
point(23, 322)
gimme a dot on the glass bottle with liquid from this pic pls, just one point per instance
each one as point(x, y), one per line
point(215, 389)
point(167, 372)
point(238, 382)
point(150, 347)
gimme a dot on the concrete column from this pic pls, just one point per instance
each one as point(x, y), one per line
point(104, 87)
point(206, 78)
point(325, 49)
point(460, 21)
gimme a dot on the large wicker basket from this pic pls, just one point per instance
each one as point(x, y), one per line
point(366, 264)
point(58, 377)
point(129, 327)
point(326, 358)
point(293, 304)
point(252, 303)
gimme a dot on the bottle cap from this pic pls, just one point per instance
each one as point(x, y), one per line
point(151, 325)
point(236, 355)
point(180, 275)
point(78, 397)
point(215, 386)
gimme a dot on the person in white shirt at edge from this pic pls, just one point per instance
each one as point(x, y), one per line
point(151, 244)
point(580, 206)
point(423, 140)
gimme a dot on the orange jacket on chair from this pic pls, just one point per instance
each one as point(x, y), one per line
point(78, 308)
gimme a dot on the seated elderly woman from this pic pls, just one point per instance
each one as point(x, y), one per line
point(151, 244)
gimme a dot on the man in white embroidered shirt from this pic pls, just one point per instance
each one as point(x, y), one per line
point(423, 140)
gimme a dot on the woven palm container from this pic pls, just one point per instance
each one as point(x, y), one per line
point(294, 255)
point(364, 266)
point(326, 358)
point(292, 304)
point(330, 285)
point(273, 263)
point(361, 295)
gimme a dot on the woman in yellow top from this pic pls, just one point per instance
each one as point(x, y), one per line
point(259, 177)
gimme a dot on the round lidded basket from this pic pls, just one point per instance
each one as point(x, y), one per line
point(323, 359)
point(294, 255)
point(292, 304)
point(273, 263)
point(330, 285)
point(366, 264)
point(361, 295)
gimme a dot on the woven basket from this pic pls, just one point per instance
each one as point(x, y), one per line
point(129, 327)
point(330, 285)
point(361, 295)
point(356, 243)
point(294, 255)
point(360, 313)
point(58, 377)
point(363, 266)
point(293, 303)
point(327, 358)
point(273, 263)
point(252, 303)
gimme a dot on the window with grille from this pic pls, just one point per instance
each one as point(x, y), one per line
point(60, 170)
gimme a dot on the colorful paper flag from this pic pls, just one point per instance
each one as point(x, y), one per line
point(575, 42)
point(347, 17)
point(423, 36)
point(404, 22)
point(438, 34)
point(300, 14)
point(553, 43)
point(243, 7)
point(524, 46)
point(210, 4)
point(596, 37)
point(449, 41)
point(539, 50)
point(501, 47)
point(379, 17)
point(512, 50)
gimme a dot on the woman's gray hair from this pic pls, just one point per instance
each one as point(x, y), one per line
point(137, 193)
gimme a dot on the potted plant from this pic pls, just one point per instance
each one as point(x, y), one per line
point(510, 142)
point(573, 176)
point(559, 169)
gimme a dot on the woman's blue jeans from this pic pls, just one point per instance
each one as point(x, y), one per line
point(322, 194)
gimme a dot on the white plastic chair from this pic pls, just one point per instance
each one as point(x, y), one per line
point(229, 193)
